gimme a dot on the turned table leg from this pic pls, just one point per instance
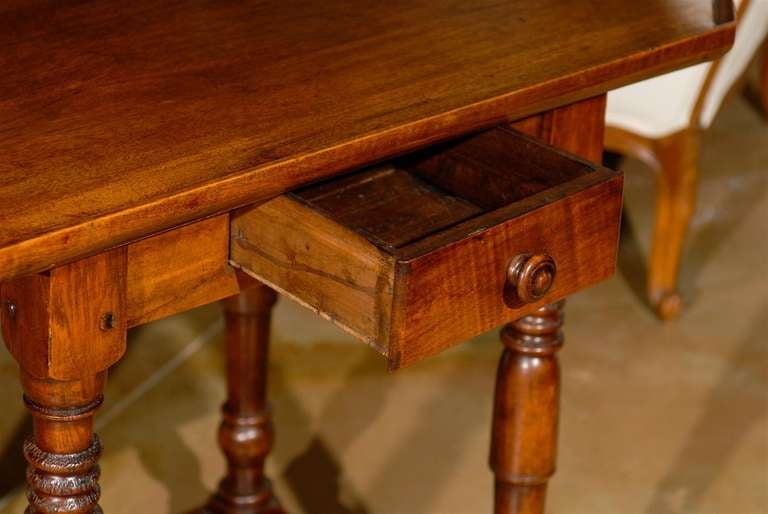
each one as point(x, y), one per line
point(65, 328)
point(63, 452)
point(524, 434)
point(246, 434)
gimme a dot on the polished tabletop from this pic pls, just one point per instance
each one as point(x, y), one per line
point(122, 119)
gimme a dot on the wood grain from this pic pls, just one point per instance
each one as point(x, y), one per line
point(492, 169)
point(410, 209)
point(323, 265)
point(412, 288)
point(454, 291)
point(526, 405)
point(70, 322)
point(66, 328)
point(526, 411)
point(121, 120)
point(179, 270)
point(578, 128)
point(246, 434)
point(63, 452)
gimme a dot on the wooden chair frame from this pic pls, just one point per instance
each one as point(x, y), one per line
point(675, 158)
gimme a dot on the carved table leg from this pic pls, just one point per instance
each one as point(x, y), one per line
point(246, 434)
point(63, 453)
point(524, 436)
point(65, 328)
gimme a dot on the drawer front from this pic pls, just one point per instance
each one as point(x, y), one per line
point(427, 251)
point(462, 289)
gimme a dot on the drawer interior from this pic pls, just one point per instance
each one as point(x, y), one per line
point(412, 197)
point(389, 205)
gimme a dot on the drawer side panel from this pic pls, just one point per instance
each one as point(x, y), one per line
point(324, 266)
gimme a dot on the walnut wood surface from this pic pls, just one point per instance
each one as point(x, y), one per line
point(409, 209)
point(63, 452)
point(325, 266)
point(246, 434)
point(179, 270)
point(526, 409)
point(456, 291)
point(348, 249)
point(69, 321)
point(526, 406)
point(165, 274)
point(120, 120)
point(65, 328)
point(490, 171)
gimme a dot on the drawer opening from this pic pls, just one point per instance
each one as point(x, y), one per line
point(412, 255)
point(415, 196)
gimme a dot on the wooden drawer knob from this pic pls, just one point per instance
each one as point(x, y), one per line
point(529, 278)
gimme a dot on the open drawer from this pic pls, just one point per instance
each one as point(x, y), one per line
point(433, 248)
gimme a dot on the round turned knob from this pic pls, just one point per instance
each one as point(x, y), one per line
point(530, 277)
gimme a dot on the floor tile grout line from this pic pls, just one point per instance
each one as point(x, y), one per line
point(143, 388)
point(155, 378)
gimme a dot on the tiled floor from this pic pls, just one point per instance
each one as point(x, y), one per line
point(657, 419)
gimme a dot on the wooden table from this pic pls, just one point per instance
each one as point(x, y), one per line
point(132, 134)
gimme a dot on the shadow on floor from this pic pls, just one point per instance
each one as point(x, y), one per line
point(632, 262)
point(316, 477)
point(169, 460)
point(735, 404)
point(183, 458)
point(708, 239)
point(12, 471)
point(14, 465)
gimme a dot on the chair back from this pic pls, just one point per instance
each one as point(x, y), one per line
point(751, 30)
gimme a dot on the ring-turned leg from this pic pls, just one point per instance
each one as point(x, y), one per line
point(246, 434)
point(62, 454)
point(65, 328)
point(525, 418)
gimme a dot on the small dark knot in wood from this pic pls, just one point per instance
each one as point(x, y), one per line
point(62, 483)
point(108, 321)
point(529, 279)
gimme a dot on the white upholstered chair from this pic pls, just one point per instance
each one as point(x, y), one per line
point(659, 120)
